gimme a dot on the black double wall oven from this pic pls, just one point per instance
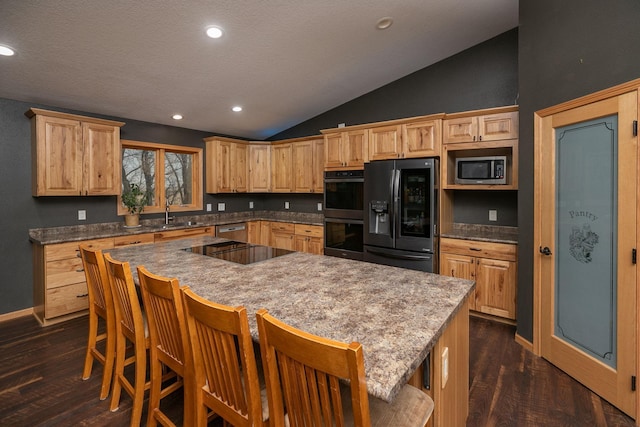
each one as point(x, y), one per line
point(343, 213)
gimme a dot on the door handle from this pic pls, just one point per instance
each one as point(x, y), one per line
point(545, 250)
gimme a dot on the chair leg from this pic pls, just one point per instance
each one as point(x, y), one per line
point(139, 385)
point(154, 392)
point(118, 372)
point(91, 344)
point(109, 359)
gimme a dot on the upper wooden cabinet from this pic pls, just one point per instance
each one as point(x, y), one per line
point(282, 168)
point(259, 168)
point(308, 166)
point(407, 140)
point(226, 161)
point(74, 155)
point(346, 149)
point(473, 127)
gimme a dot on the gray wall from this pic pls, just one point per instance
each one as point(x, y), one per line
point(567, 49)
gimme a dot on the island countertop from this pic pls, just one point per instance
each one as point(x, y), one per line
point(396, 314)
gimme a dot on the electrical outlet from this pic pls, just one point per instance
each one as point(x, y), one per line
point(445, 366)
point(340, 125)
point(250, 205)
point(493, 215)
point(208, 207)
point(221, 207)
point(286, 205)
point(320, 206)
point(82, 215)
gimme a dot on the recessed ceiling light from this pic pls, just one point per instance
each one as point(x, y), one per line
point(177, 117)
point(237, 108)
point(214, 32)
point(384, 23)
point(6, 51)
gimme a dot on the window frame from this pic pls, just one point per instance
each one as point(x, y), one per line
point(160, 149)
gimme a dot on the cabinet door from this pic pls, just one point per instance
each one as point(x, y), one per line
point(223, 167)
point(333, 151)
point(495, 289)
point(464, 129)
point(253, 232)
point(101, 159)
point(301, 243)
point(259, 168)
point(421, 139)
point(240, 154)
point(355, 149)
point(303, 166)
point(282, 240)
point(265, 233)
point(385, 142)
point(318, 166)
point(461, 267)
point(316, 245)
point(281, 168)
point(58, 147)
point(494, 127)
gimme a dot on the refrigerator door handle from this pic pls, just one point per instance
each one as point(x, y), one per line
point(398, 256)
point(395, 198)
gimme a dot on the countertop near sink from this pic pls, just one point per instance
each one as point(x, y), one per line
point(483, 233)
point(50, 235)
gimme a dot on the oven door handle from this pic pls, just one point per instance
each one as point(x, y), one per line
point(398, 256)
point(344, 180)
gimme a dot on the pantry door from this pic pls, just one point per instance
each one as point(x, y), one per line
point(585, 235)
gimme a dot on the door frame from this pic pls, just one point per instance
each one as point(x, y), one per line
point(631, 86)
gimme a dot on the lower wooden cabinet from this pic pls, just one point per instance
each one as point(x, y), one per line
point(491, 265)
point(297, 237)
point(59, 283)
point(282, 235)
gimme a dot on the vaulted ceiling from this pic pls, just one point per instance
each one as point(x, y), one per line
point(282, 61)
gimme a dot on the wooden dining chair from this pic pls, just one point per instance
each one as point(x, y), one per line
point(130, 332)
point(168, 345)
point(226, 374)
point(303, 374)
point(100, 307)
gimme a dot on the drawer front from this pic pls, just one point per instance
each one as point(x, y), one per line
point(65, 300)
point(135, 239)
point(474, 248)
point(286, 227)
point(309, 230)
point(183, 234)
point(64, 272)
point(70, 249)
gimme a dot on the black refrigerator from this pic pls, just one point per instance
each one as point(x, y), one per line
point(401, 204)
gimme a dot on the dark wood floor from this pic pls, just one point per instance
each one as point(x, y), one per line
point(40, 382)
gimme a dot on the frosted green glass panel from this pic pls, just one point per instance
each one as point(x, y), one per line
point(586, 234)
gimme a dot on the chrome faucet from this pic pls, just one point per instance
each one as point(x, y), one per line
point(167, 218)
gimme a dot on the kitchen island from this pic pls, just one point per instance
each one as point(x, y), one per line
point(400, 316)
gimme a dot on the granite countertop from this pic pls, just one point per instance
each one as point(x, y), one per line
point(397, 314)
point(483, 233)
point(50, 235)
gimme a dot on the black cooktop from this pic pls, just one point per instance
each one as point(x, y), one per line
point(239, 252)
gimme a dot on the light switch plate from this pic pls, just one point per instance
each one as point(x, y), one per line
point(250, 205)
point(286, 205)
point(208, 207)
point(320, 206)
point(221, 207)
point(82, 215)
point(493, 215)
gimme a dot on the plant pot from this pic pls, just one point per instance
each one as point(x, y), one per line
point(132, 220)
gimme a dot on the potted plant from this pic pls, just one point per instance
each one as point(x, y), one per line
point(134, 199)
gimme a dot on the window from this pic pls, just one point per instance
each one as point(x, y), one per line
point(165, 172)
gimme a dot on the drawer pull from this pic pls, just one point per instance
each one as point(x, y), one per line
point(82, 295)
point(134, 243)
point(81, 270)
point(475, 249)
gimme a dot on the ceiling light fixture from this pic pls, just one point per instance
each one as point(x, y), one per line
point(214, 32)
point(384, 23)
point(237, 108)
point(177, 117)
point(6, 51)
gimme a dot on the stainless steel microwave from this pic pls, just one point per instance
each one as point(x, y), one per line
point(481, 170)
